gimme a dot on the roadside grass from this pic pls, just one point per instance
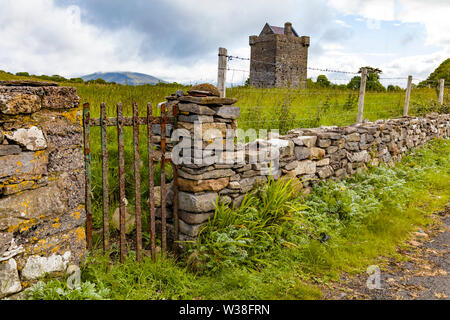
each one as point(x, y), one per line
point(275, 245)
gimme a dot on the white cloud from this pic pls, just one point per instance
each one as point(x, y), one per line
point(39, 37)
point(45, 36)
point(342, 23)
point(433, 14)
point(418, 65)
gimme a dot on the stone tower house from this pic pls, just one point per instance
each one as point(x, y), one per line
point(279, 57)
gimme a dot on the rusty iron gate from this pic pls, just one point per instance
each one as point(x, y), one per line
point(120, 121)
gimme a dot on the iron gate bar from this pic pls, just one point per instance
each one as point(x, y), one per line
point(121, 181)
point(128, 121)
point(120, 121)
point(87, 175)
point(151, 181)
point(163, 180)
point(137, 183)
point(175, 194)
point(105, 186)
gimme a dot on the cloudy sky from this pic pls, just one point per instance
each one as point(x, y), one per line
point(177, 40)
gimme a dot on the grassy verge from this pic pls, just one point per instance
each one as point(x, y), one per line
point(278, 245)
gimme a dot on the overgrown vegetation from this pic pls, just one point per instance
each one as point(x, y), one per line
point(441, 72)
point(279, 245)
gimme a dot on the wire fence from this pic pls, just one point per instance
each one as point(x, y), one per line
point(335, 101)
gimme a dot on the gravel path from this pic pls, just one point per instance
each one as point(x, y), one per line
point(425, 276)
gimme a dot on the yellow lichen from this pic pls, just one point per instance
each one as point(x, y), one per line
point(76, 215)
point(72, 116)
point(80, 233)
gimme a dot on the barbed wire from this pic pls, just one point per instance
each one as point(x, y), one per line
point(230, 58)
point(323, 98)
point(330, 70)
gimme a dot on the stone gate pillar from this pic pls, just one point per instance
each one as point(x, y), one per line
point(41, 182)
point(203, 121)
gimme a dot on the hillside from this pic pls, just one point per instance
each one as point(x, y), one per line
point(441, 72)
point(130, 78)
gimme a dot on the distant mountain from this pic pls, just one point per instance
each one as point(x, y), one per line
point(130, 78)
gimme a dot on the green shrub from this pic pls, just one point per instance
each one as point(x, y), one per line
point(243, 236)
point(58, 290)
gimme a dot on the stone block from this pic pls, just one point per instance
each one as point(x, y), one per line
point(38, 266)
point(20, 100)
point(305, 167)
point(208, 100)
point(302, 153)
point(308, 141)
point(291, 165)
point(323, 162)
point(196, 118)
point(228, 112)
point(214, 174)
point(202, 202)
point(324, 143)
point(202, 185)
point(9, 149)
point(332, 149)
point(32, 164)
point(196, 109)
point(316, 153)
point(30, 138)
point(191, 230)
point(353, 146)
point(325, 172)
point(60, 98)
point(43, 202)
point(353, 137)
point(9, 278)
point(362, 156)
point(195, 218)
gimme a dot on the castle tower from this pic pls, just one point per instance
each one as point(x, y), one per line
point(279, 57)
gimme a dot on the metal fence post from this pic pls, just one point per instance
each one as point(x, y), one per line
point(362, 91)
point(408, 95)
point(137, 182)
point(105, 186)
point(441, 91)
point(122, 205)
point(87, 174)
point(222, 71)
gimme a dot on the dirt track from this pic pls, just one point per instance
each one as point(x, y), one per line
point(426, 274)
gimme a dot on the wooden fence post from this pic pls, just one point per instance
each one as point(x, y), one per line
point(441, 91)
point(222, 71)
point(408, 95)
point(362, 91)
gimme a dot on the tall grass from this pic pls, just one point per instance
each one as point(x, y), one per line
point(285, 109)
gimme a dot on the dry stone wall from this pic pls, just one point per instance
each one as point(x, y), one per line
point(41, 182)
point(214, 168)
